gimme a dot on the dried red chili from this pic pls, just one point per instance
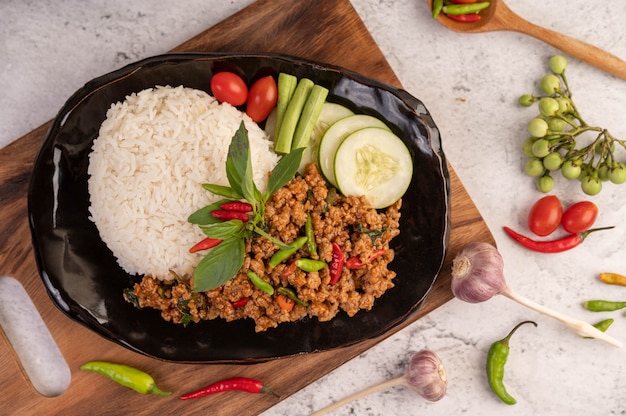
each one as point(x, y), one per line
point(249, 385)
point(336, 264)
point(205, 244)
point(224, 215)
point(236, 206)
point(551, 246)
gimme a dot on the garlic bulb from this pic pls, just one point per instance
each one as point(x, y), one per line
point(477, 273)
point(425, 375)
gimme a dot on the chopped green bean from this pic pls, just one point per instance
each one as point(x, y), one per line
point(260, 283)
point(285, 135)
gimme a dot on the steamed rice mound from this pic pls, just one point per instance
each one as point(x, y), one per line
point(153, 152)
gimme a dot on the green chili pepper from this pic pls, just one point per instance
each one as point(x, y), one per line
point(310, 265)
point(603, 305)
point(126, 376)
point(496, 360)
point(603, 325)
point(437, 5)
point(292, 295)
point(283, 254)
point(310, 242)
point(260, 283)
point(458, 9)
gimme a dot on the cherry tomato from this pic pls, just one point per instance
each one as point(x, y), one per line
point(545, 215)
point(229, 88)
point(262, 98)
point(579, 217)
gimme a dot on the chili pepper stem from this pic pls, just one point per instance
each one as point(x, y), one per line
point(384, 385)
point(581, 328)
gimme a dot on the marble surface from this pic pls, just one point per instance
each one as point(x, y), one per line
point(470, 83)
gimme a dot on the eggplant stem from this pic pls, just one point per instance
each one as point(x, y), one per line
point(581, 328)
point(362, 393)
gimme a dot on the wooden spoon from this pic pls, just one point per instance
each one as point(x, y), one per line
point(499, 17)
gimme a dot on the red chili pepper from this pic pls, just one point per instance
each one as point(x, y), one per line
point(230, 215)
point(205, 244)
point(289, 270)
point(551, 246)
point(376, 254)
point(240, 302)
point(354, 263)
point(470, 17)
point(336, 264)
point(249, 385)
point(236, 206)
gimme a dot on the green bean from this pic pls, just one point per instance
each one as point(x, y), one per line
point(459, 9)
point(283, 254)
point(260, 283)
point(310, 242)
point(496, 360)
point(292, 295)
point(310, 265)
point(603, 305)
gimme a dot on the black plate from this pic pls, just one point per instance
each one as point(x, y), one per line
point(85, 282)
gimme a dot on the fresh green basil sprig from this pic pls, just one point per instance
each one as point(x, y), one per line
point(224, 261)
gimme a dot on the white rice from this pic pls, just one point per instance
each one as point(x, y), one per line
point(153, 152)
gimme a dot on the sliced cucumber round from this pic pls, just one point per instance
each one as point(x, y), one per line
point(335, 135)
point(331, 113)
point(376, 163)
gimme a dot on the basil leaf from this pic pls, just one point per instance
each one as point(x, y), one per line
point(220, 265)
point(284, 171)
point(203, 215)
point(239, 166)
point(220, 190)
point(237, 159)
point(223, 230)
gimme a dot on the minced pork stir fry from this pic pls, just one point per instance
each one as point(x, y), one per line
point(361, 233)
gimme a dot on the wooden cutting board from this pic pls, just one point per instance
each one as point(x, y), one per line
point(328, 31)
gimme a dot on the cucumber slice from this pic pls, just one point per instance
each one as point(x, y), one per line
point(331, 113)
point(376, 163)
point(335, 134)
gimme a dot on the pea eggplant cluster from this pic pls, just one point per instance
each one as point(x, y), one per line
point(555, 143)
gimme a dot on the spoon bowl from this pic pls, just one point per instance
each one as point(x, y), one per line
point(498, 16)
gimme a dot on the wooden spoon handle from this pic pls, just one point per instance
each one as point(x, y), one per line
point(574, 47)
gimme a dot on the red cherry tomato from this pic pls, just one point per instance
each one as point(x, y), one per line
point(545, 216)
point(262, 98)
point(579, 217)
point(229, 88)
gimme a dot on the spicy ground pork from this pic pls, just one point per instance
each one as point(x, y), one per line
point(362, 233)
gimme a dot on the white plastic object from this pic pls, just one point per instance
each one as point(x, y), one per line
point(31, 340)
